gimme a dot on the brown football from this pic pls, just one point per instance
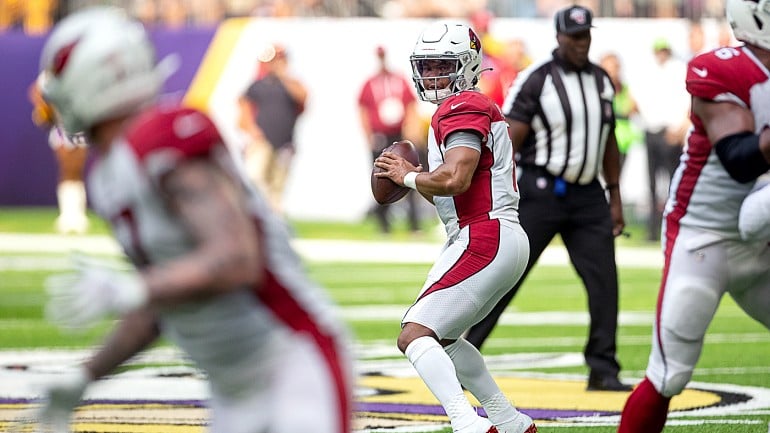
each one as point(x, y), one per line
point(386, 191)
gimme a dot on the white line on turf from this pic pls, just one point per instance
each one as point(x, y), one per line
point(314, 249)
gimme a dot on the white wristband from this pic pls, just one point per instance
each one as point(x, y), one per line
point(410, 180)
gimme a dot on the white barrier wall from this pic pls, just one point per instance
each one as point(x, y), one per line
point(333, 57)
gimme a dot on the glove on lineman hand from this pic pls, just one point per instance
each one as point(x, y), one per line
point(60, 397)
point(95, 290)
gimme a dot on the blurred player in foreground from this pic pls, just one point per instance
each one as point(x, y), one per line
point(712, 246)
point(471, 181)
point(71, 154)
point(214, 269)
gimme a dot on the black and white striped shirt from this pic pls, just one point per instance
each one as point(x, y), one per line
point(570, 116)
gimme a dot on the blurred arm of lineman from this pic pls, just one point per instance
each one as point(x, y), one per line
point(451, 178)
point(226, 257)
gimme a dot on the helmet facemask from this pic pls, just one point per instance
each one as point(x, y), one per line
point(453, 49)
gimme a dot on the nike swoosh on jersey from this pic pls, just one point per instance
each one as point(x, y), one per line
point(453, 106)
point(700, 72)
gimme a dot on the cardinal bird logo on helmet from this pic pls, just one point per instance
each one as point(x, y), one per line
point(475, 43)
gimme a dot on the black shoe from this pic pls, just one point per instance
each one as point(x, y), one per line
point(606, 383)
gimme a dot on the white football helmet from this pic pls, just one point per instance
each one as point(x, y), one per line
point(750, 21)
point(99, 64)
point(451, 42)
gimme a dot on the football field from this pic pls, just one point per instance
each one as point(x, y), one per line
point(535, 353)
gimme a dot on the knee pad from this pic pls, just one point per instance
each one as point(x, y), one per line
point(675, 383)
point(688, 308)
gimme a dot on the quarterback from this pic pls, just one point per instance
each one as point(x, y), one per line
point(213, 269)
point(705, 254)
point(472, 183)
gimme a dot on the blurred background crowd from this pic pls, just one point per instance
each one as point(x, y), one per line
point(647, 71)
point(37, 16)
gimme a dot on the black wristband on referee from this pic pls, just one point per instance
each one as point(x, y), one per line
point(611, 186)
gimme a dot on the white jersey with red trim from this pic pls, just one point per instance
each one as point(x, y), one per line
point(702, 194)
point(230, 336)
point(493, 193)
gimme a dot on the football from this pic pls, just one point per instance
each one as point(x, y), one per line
point(386, 191)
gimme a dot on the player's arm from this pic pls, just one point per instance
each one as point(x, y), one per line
point(63, 393)
point(611, 173)
point(135, 332)
point(451, 178)
point(730, 127)
point(226, 255)
point(518, 132)
point(454, 176)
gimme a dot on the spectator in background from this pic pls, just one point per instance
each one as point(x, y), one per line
point(71, 154)
point(627, 133)
point(173, 14)
point(725, 36)
point(35, 17)
point(696, 39)
point(664, 107)
point(490, 81)
point(387, 106)
point(562, 125)
point(269, 110)
point(513, 60)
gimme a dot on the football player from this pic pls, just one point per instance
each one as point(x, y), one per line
point(70, 156)
point(472, 183)
point(214, 271)
point(727, 149)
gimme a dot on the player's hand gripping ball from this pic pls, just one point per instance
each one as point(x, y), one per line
point(386, 191)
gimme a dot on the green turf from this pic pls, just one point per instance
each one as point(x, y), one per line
point(736, 352)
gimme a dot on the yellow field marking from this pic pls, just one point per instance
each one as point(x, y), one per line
point(538, 393)
point(214, 62)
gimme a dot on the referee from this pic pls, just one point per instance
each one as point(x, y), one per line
point(563, 130)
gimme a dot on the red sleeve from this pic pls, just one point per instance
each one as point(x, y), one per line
point(721, 74)
point(164, 136)
point(468, 111)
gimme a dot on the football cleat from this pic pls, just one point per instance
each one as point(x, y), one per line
point(522, 423)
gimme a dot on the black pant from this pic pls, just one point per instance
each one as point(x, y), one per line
point(583, 220)
point(661, 157)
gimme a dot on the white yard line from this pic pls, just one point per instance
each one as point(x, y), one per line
point(311, 249)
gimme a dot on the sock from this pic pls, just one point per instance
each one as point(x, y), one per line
point(437, 371)
point(71, 195)
point(646, 410)
point(475, 377)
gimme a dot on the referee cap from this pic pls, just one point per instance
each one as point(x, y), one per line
point(573, 19)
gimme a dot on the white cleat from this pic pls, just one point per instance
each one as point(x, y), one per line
point(522, 423)
point(482, 425)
